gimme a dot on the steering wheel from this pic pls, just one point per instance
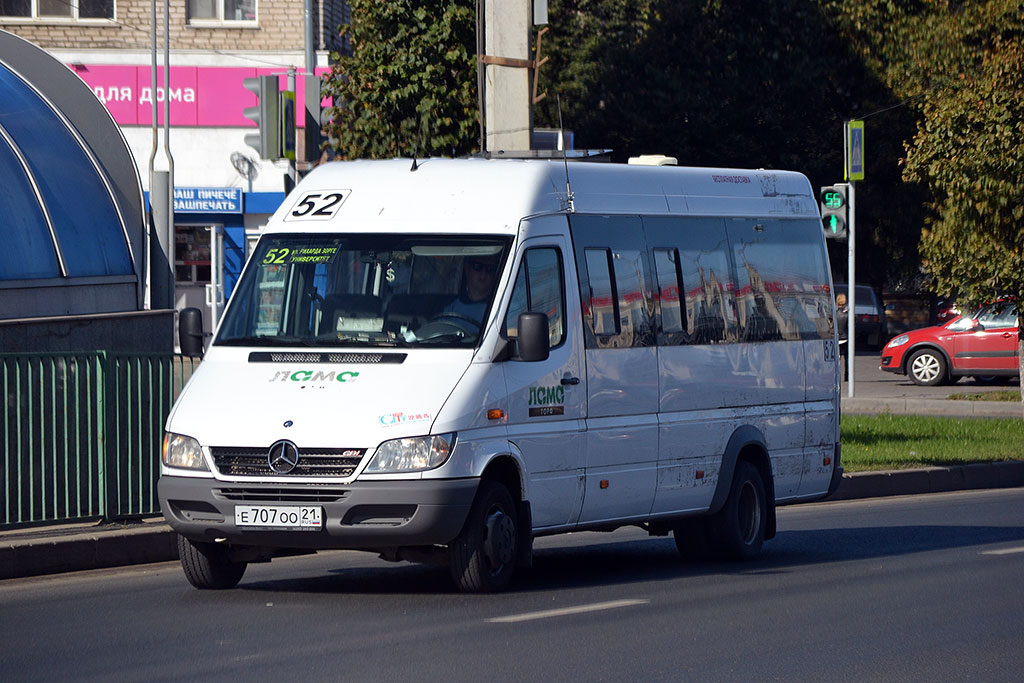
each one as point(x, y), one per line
point(459, 317)
point(442, 324)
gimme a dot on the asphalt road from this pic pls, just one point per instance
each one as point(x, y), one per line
point(871, 382)
point(907, 588)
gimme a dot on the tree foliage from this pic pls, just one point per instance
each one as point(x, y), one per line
point(962, 65)
point(968, 151)
point(410, 84)
point(743, 83)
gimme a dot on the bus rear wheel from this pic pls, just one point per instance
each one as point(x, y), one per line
point(738, 529)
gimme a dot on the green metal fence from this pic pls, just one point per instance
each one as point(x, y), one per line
point(81, 434)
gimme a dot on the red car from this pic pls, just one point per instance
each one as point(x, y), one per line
point(983, 346)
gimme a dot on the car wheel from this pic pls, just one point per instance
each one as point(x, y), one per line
point(207, 565)
point(482, 558)
point(927, 368)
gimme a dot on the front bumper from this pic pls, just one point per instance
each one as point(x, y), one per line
point(367, 515)
point(891, 363)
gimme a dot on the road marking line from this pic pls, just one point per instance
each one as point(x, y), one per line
point(581, 609)
point(1004, 551)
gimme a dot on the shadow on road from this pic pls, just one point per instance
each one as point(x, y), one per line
point(656, 559)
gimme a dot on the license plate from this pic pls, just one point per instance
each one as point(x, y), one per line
point(300, 517)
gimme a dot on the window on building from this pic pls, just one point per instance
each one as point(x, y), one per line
point(208, 11)
point(58, 9)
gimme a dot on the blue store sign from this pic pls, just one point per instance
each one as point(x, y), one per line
point(208, 200)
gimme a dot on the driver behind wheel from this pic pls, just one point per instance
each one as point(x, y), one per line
point(479, 276)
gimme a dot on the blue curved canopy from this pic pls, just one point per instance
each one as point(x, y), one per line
point(55, 199)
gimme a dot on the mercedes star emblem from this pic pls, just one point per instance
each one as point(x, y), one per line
point(283, 457)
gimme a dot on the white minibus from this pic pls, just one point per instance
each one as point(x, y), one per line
point(442, 360)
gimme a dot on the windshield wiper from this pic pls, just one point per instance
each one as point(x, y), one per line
point(447, 339)
point(277, 340)
point(333, 342)
point(366, 343)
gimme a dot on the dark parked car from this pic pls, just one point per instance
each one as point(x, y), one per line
point(983, 346)
point(871, 327)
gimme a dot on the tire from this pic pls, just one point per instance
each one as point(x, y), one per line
point(927, 368)
point(738, 529)
point(207, 565)
point(482, 558)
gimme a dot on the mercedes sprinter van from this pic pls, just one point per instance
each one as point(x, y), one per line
point(440, 361)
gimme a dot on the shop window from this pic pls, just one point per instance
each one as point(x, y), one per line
point(191, 254)
point(221, 11)
point(58, 9)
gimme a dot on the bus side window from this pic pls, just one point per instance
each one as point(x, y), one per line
point(669, 276)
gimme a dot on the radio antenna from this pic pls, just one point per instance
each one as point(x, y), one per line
point(565, 160)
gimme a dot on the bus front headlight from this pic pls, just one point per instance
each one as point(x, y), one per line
point(412, 454)
point(183, 452)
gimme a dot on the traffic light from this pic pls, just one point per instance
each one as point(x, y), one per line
point(266, 114)
point(288, 125)
point(834, 210)
point(313, 113)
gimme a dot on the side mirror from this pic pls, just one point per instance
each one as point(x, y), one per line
point(190, 331)
point(533, 337)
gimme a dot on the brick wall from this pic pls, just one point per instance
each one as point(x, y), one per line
point(280, 27)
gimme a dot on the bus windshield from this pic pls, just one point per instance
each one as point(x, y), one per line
point(365, 290)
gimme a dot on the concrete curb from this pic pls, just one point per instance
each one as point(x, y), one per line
point(930, 480)
point(54, 550)
point(930, 407)
point(24, 554)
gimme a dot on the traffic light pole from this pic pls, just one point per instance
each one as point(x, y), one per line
point(851, 279)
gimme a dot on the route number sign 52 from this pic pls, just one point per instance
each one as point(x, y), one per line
point(317, 206)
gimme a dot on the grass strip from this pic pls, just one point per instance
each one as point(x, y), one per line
point(884, 442)
point(986, 396)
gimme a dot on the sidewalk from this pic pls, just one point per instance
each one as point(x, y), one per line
point(77, 547)
point(929, 406)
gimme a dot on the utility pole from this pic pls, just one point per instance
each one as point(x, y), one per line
point(507, 67)
point(160, 273)
point(311, 105)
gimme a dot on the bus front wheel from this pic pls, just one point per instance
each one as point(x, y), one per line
point(482, 558)
point(207, 565)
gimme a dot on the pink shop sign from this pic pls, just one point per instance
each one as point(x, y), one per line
point(199, 96)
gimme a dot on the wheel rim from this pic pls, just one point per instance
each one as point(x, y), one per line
point(749, 513)
point(926, 367)
point(500, 540)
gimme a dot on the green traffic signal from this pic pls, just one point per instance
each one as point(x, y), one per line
point(833, 199)
point(834, 210)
